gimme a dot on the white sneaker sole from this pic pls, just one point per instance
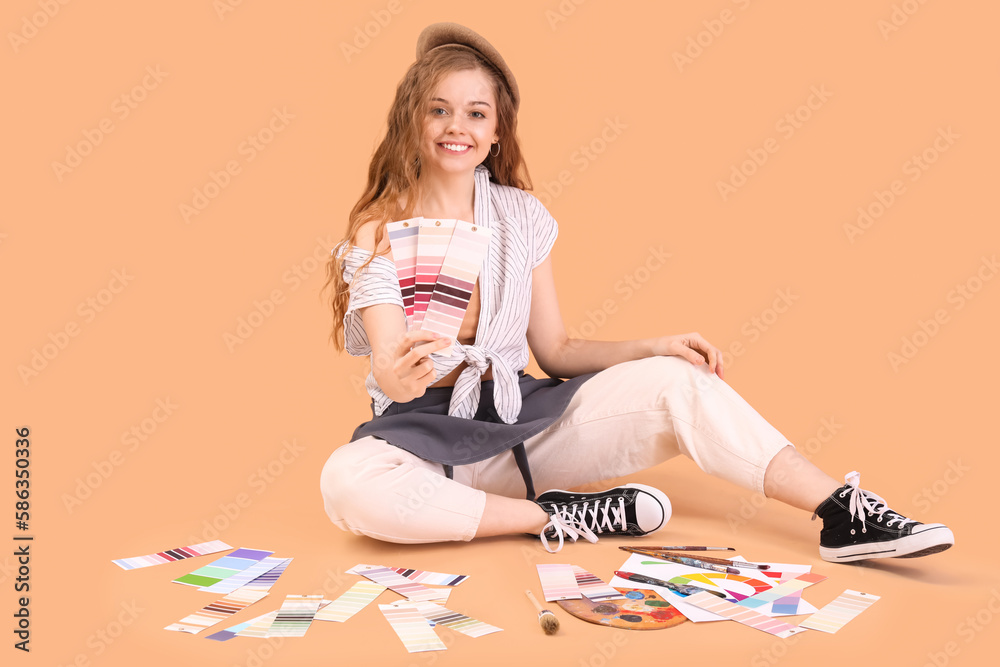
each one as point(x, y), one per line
point(934, 539)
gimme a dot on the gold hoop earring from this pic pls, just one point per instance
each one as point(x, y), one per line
point(497, 144)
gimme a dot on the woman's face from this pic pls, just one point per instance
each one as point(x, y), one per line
point(460, 123)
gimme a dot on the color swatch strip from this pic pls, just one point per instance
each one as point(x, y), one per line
point(788, 604)
point(170, 555)
point(419, 576)
point(782, 590)
point(558, 581)
point(265, 581)
point(224, 567)
point(230, 632)
point(400, 584)
point(835, 615)
point(452, 619)
point(594, 588)
point(432, 247)
point(295, 616)
point(356, 598)
point(217, 611)
point(432, 578)
point(241, 579)
point(458, 276)
point(259, 626)
point(412, 628)
point(403, 235)
point(747, 617)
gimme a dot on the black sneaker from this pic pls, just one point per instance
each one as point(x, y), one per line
point(858, 524)
point(630, 510)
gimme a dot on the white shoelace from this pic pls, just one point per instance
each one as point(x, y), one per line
point(565, 524)
point(573, 520)
point(862, 502)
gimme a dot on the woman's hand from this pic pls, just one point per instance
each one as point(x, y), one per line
point(413, 368)
point(694, 348)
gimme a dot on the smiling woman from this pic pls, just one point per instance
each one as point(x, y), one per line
point(440, 458)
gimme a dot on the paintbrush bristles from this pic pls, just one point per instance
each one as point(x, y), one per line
point(546, 618)
point(548, 621)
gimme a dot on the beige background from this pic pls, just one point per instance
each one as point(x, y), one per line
point(887, 81)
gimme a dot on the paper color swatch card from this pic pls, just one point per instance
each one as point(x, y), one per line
point(438, 262)
point(223, 568)
point(419, 576)
point(170, 555)
point(403, 241)
point(259, 626)
point(594, 588)
point(455, 283)
point(432, 578)
point(295, 616)
point(454, 620)
point(230, 632)
point(835, 615)
point(264, 581)
point(400, 584)
point(558, 581)
point(217, 611)
point(432, 246)
point(412, 628)
point(252, 575)
point(736, 587)
point(359, 596)
point(782, 590)
point(747, 617)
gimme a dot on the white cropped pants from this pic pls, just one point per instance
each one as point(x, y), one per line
point(626, 418)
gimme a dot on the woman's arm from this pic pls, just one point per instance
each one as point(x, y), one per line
point(401, 370)
point(560, 356)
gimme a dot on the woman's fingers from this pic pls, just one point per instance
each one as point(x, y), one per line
point(703, 350)
point(710, 352)
point(408, 339)
point(415, 362)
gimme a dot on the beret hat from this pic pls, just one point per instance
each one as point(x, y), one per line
point(440, 34)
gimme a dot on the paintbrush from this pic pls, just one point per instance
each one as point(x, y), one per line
point(683, 560)
point(546, 618)
point(656, 553)
point(684, 548)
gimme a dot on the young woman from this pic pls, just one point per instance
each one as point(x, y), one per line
point(455, 440)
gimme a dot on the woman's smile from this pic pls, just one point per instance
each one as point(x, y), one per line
point(454, 148)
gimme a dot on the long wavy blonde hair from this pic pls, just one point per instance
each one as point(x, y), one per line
point(395, 166)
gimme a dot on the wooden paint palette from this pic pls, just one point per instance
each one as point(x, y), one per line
point(640, 610)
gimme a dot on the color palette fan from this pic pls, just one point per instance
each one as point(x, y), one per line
point(437, 265)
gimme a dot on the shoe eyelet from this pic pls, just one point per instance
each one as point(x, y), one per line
point(852, 531)
point(842, 494)
point(880, 519)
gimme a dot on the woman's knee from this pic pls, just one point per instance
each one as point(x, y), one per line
point(664, 373)
point(347, 476)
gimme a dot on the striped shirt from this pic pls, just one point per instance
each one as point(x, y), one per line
point(523, 234)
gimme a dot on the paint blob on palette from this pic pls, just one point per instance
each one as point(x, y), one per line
point(638, 610)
